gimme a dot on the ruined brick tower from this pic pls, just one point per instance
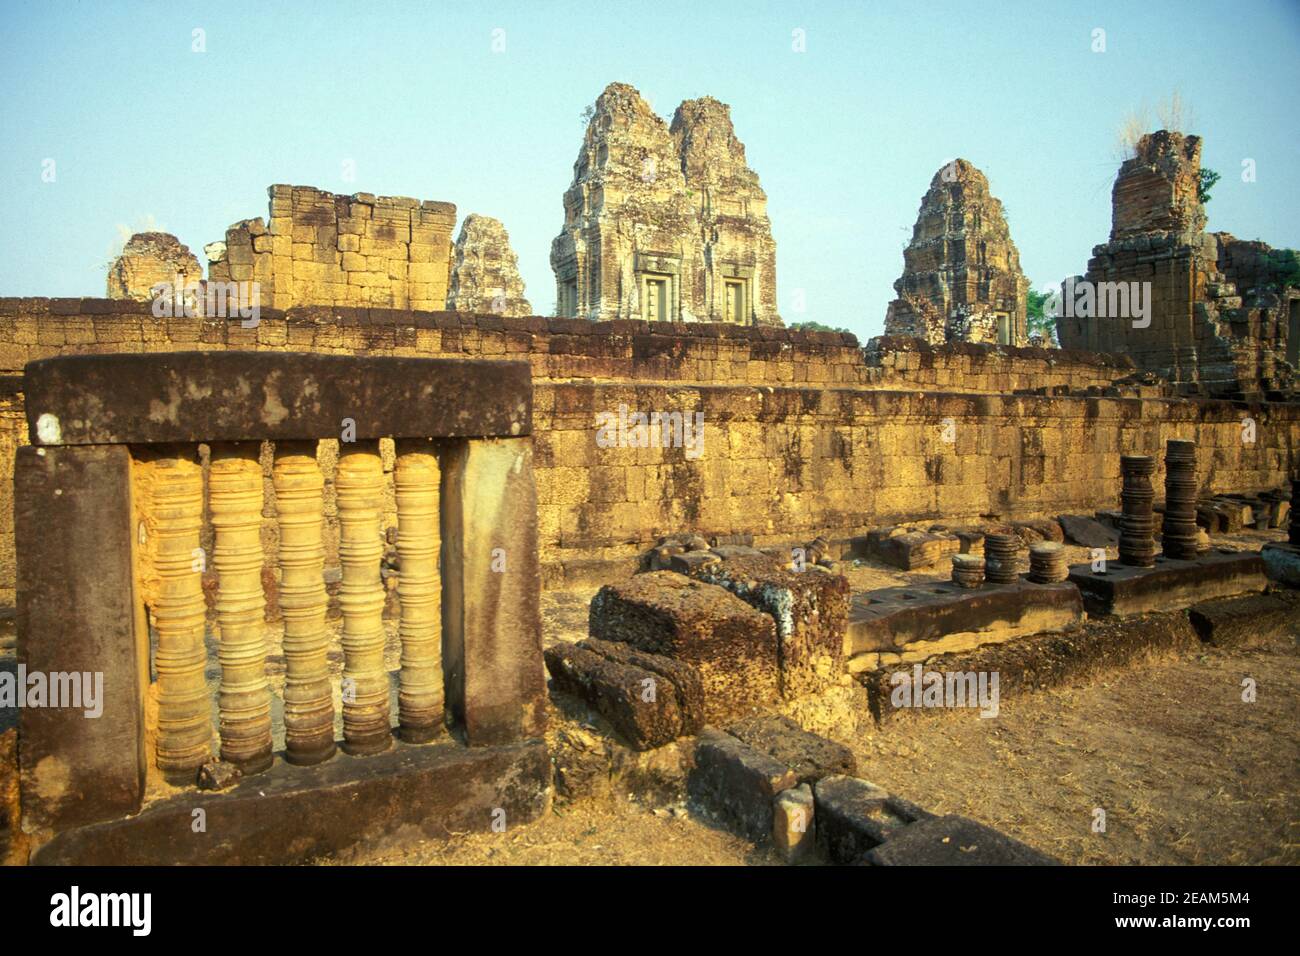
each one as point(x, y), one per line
point(147, 259)
point(1219, 315)
point(665, 225)
point(961, 276)
point(485, 270)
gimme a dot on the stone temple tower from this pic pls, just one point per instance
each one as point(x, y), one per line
point(485, 270)
point(739, 252)
point(961, 276)
point(664, 225)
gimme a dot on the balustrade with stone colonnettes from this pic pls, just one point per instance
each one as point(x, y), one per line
point(110, 518)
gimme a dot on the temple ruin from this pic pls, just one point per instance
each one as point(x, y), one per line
point(664, 224)
point(485, 271)
point(961, 278)
point(400, 560)
point(147, 260)
point(1203, 310)
point(319, 248)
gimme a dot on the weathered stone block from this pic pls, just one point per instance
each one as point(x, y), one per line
point(810, 609)
point(1246, 620)
point(738, 783)
point(954, 841)
point(650, 700)
point(809, 755)
point(1169, 586)
point(794, 824)
point(292, 815)
point(79, 617)
point(854, 816)
point(492, 638)
point(732, 646)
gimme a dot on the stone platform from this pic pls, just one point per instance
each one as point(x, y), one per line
point(904, 624)
point(1282, 561)
point(291, 815)
point(1169, 586)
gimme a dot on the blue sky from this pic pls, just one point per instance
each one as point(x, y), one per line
point(845, 136)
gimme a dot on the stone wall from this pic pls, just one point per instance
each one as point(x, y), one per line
point(708, 353)
point(319, 248)
point(787, 465)
point(805, 432)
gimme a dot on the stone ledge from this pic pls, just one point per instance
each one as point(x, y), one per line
point(291, 815)
point(937, 618)
point(1169, 586)
point(238, 396)
point(1255, 618)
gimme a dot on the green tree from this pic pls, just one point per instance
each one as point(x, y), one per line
point(1208, 178)
point(1039, 319)
point(1286, 262)
point(813, 327)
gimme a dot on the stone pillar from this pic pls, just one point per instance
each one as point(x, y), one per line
point(359, 488)
point(308, 698)
point(78, 614)
point(1178, 533)
point(420, 696)
point(1137, 527)
point(492, 647)
point(184, 704)
point(235, 502)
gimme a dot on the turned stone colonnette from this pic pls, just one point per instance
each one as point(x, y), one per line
point(109, 509)
point(1178, 533)
point(1137, 526)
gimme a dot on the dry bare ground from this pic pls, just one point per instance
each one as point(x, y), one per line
point(1185, 770)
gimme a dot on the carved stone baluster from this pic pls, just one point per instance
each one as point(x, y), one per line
point(420, 701)
point(308, 704)
point(235, 501)
point(184, 705)
point(359, 487)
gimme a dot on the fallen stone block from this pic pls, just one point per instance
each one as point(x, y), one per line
point(794, 825)
point(809, 755)
point(732, 646)
point(688, 561)
point(637, 693)
point(1245, 620)
point(1038, 529)
point(738, 783)
point(954, 841)
point(1088, 532)
point(854, 816)
point(810, 611)
point(911, 550)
